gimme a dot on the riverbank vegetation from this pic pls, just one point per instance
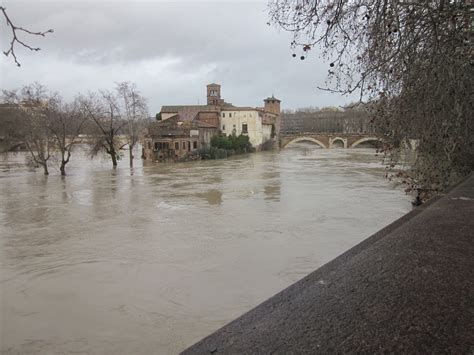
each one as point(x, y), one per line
point(238, 144)
point(222, 147)
point(412, 62)
point(46, 125)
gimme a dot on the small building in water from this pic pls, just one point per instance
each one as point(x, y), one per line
point(173, 138)
point(183, 128)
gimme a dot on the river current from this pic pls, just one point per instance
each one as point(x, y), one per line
point(150, 260)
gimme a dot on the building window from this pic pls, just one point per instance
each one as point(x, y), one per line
point(223, 127)
point(244, 128)
point(176, 146)
point(184, 145)
point(223, 114)
point(195, 145)
point(230, 114)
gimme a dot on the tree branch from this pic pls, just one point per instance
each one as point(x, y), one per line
point(15, 39)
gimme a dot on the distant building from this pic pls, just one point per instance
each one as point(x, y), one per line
point(173, 138)
point(192, 126)
point(260, 124)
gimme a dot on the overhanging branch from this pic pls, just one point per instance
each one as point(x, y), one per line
point(15, 39)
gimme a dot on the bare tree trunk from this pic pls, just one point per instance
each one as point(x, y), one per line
point(113, 155)
point(62, 168)
point(45, 167)
point(130, 152)
point(64, 161)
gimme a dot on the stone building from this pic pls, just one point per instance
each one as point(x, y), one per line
point(173, 138)
point(184, 128)
point(261, 124)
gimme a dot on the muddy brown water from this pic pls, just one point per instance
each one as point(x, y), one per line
point(150, 260)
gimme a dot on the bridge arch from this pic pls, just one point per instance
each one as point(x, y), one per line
point(307, 139)
point(366, 139)
point(337, 139)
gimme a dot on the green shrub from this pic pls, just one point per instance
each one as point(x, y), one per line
point(238, 144)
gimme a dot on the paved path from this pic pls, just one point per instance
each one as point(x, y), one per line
point(407, 289)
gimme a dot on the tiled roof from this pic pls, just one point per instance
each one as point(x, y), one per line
point(175, 126)
point(272, 98)
point(203, 124)
point(200, 108)
point(235, 108)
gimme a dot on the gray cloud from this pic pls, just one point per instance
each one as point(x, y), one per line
point(170, 49)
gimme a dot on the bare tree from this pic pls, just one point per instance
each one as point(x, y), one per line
point(103, 109)
point(134, 110)
point(65, 121)
point(15, 30)
point(37, 136)
point(29, 122)
point(412, 60)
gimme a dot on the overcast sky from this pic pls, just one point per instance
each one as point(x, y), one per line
point(170, 49)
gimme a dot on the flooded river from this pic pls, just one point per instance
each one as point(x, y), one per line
point(151, 260)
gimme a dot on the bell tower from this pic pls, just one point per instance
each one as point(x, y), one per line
point(272, 105)
point(213, 94)
point(272, 108)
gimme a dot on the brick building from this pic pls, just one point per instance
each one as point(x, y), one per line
point(173, 138)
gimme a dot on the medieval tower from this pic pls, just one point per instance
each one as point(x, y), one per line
point(214, 94)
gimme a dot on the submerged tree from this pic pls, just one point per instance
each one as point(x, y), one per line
point(117, 117)
point(65, 121)
point(133, 109)
point(102, 108)
point(37, 136)
point(412, 60)
point(42, 122)
point(28, 122)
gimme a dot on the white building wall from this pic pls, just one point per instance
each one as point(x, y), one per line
point(266, 132)
point(231, 120)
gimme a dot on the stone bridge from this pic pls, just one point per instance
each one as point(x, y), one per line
point(329, 140)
